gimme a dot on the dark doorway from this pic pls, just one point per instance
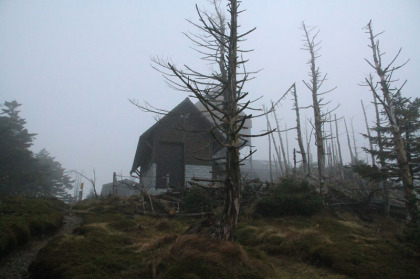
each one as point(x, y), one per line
point(170, 165)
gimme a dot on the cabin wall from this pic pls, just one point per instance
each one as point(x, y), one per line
point(197, 171)
point(148, 179)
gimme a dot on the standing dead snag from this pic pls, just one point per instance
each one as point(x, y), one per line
point(340, 157)
point(299, 132)
point(315, 82)
point(353, 162)
point(221, 94)
point(368, 134)
point(386, 85)
point(91, 180)
point(285, 161)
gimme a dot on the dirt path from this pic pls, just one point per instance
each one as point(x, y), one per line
point(15, 265)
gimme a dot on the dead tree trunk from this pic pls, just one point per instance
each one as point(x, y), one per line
point(340, 157)
point(368, 134)
point(349, 143)
point(385, 82)
point(382, 162)
point(314, 84)
point(273, 140)
point(334, 158)
point(356, 158)
point(299, 132)
point(222, 96)
point(286, 167)
point(287, 145)
point(269, 154)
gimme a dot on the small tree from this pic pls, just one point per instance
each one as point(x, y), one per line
point(51, 179)
point(16, 160)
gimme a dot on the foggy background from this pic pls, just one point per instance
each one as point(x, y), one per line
point(73, 65)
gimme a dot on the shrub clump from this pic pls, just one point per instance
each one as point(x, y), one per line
point(290, 197)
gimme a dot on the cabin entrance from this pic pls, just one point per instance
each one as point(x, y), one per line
point(170, 165)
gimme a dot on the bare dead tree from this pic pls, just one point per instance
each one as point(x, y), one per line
point(92, 181)
point(316, 80)
point(222, 94)
point(387, 84)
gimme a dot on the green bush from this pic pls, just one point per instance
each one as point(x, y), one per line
point(290, 197)
point(197, 200)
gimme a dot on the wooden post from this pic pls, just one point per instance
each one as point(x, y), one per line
point(114, 184)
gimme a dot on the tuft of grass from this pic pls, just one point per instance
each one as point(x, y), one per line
point(22, 218)
point(195, 256)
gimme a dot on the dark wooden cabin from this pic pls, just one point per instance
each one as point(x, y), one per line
point(175, 149)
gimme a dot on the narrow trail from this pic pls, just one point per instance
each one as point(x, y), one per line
point(16, 264)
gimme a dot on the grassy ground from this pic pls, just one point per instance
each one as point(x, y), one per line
point(116, 243)
point(25, 218)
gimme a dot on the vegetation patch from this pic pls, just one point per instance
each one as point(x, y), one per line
point(197, 200)
point(290, 197)
point(22, 218)
point(113, 244)
point(195, 256)
point(345, 246)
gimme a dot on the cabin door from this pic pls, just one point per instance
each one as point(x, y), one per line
point(170, 165)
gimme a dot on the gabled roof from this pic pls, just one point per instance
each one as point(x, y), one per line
point(144, 146)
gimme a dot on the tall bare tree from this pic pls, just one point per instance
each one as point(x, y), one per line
point(387, 85)
point(316, 80)
point(221, 92)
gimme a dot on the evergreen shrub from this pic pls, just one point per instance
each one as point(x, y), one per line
point(290, 197)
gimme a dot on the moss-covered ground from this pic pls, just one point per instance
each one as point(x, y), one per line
point(24, 218)
point(114, 242)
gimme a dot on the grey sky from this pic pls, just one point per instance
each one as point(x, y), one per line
point(74, 65)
